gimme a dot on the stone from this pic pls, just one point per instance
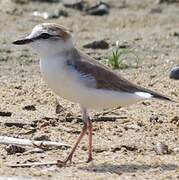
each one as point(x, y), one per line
point(174, 73)
point(13, 149)
point(99, 9)
point(161, 148)
point(29, 108)
point(101, 44)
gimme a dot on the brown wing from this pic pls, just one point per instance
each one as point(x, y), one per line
point(105, 78)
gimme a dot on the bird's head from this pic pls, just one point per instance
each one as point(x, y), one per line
point(48, 39)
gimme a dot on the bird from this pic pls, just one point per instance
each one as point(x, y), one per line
point(79, 78)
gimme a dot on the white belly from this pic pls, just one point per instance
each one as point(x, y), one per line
point(66, 83)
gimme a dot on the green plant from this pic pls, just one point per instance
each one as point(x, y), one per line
point(117, 59)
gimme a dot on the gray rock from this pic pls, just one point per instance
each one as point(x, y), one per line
point(161, 148)
point(5, 113)
point(174, 73)
point(59, 109)
point(101, 44)
point(100, 9)
point(13, 149)
point(155, 119)
point(29, 108)
point(41, 137)
point(51, 15)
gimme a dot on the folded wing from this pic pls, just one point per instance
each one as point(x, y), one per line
point(105, 78)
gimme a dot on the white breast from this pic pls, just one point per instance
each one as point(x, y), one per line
point(67, 84)
point(54, 72)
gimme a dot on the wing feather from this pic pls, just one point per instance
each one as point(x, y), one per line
point(104, 77)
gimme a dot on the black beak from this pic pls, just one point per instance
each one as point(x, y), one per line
point(22, 41)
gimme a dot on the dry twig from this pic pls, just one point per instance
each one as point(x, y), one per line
point(28, 142)
point(33, 164)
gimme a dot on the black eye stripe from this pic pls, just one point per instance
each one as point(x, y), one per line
point(44, 36)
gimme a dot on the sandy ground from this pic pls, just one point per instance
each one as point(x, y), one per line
point(123, 148)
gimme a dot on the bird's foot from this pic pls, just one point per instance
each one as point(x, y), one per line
point(66, 162)
point(89, 159)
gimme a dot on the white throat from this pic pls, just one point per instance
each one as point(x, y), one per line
point(47, 49)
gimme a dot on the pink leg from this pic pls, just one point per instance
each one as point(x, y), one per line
point(87, 120)
point(90, 130)
point(87, 125)
point(70, 156)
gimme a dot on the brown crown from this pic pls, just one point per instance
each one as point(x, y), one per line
point(56, 30)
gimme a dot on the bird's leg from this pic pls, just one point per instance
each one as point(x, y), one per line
point(87, 126)
point(90, 129)
point(87, 120)
point(69, 158)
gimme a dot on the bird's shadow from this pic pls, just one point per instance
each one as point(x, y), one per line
point(127, 168)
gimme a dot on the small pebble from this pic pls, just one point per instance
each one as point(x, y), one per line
point(175, 120)
point(29, 108)
point(100, 9)
point(123, 45)
point(13, 149)
point(51, 15)
point(155, 119)
point(43, 15)
point(75, 4)
point(59, 109)
point(132, 126)
point(174, 73)
point(41, 137)
point(101, 44)
point(5, 114)
point(146, 103)
point(161, 148)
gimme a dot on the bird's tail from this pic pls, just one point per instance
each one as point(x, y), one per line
point(152, 94)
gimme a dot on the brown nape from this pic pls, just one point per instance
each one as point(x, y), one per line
point(59, 30)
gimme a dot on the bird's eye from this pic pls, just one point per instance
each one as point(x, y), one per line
point(45, 36)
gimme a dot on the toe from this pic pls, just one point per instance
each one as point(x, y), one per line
point(89, 159)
